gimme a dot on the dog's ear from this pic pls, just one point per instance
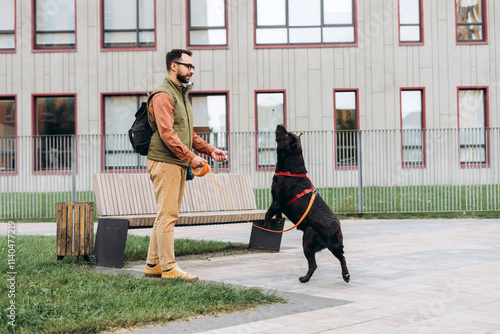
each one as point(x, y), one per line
point(293, 142)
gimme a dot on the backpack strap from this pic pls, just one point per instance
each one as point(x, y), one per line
point(151, 120)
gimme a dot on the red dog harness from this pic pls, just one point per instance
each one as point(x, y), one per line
point(305, 192)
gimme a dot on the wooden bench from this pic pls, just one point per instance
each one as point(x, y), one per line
point(127, 201)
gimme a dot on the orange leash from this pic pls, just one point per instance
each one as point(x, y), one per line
point(206, 169)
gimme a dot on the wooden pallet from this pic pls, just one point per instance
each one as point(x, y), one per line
point(75, 228)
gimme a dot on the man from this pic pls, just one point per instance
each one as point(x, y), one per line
point(169, 156)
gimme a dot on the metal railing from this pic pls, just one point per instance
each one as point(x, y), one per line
point(369, 171)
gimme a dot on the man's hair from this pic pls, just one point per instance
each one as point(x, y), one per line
point(174, 55)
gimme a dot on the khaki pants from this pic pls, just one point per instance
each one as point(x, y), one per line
point(168, 181)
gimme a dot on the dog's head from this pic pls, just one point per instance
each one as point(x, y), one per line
point(289, 150)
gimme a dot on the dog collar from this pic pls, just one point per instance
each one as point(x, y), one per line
point(305, 192)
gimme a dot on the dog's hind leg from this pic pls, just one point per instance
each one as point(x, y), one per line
point(337, 249)
point(310, 254)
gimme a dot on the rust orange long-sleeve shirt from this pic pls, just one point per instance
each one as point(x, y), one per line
point(162, 110)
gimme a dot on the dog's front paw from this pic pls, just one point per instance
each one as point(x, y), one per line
point(267, 224)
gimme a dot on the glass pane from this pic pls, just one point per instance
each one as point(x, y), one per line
point(338, 11)
point(270, 111)
point(146, 14)
point(472, 155)
point(409, 11)
point(471, 108)
point(146, 38)
point(345, 100)
point(54, 122)
point(413, 156)
point(469, 11)
point(304, 13)
point(412, 137)
point(267, 157)
point(472, 32)
point(472, 136)
point(120, 38)
point(7, 15)
point(271, 12)
point(207, 13)
point(345, 111)
point(208, 37)
point(7, 117)
point(346, 142)
point(210, 111)
point(55, 115)
point(305, 35)
point(409, 33)
point(7, 41)
point(338, 35)
point(120, 14)
point(119, 113)
point(52, 15)
point(411, 109)
point(58, 39)
point(271, 36)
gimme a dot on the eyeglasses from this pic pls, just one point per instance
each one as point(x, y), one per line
point(189, 66)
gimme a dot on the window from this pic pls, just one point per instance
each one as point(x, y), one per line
point(473, 125)
point(129, 24)
point(305, 22)
point(412, 127)
point(118, 115)
point(207, 23)
point(471, 21)
point(210, 114)
point(54, 24)
point(54, 130)
point(7, 134)
point(270, 112)
point(7, 25)
point(410, 25)
point(346, 128)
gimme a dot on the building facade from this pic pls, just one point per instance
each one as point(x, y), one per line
point(73, 67)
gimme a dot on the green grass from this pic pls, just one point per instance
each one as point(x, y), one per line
point(136, 247)
point(405, 202)
point(66, 297)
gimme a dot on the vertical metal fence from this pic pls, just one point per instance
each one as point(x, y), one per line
point(433, 170)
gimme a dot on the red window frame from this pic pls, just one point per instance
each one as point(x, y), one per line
point(205, 47)
point(485, 27)
point(305, 45)
point(256, 92)
point(128, 48)
point(14, 50)
point(15, 171)
point(486, 126)
point(424, 159)
point(33, 33)
point(421, 26)
point(355, 90)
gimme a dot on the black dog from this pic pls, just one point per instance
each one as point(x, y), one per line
point(292, 191)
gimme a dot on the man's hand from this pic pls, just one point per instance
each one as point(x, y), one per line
point(197, 162)
point(218, 155)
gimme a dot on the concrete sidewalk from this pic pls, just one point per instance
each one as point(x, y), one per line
point(407, 276)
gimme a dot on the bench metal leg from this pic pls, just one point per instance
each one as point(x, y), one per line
point(110, 242)
point(264, 240)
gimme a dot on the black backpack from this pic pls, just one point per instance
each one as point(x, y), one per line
point(140, 133)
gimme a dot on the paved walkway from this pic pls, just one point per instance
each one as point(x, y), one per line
point(407, 276)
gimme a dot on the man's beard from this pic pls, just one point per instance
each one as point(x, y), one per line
point(182, 78)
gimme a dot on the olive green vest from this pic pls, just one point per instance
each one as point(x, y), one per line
point(183, 123)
